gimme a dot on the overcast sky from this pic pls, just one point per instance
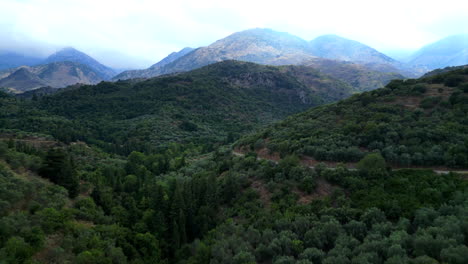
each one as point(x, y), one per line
point(139, 33)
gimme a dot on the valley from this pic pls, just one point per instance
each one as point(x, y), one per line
point(177, 168)
point(260, 147)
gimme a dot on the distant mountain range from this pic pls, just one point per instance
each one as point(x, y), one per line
point(265, 46)
point(55, 75)
point(449, 51)
point(357, 64)
point(342, 49)
point(63, 68)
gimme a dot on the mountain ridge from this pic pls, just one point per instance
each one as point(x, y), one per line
point(449, 51)
point(74, 55)
point(55, 75)
point(264, 46)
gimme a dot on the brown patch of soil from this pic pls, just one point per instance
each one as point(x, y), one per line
point(51, 242)
point(265, 195)
point(432, 90)
point(323, 189)
point(265, 153)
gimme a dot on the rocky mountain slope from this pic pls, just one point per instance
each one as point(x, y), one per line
point(358, 76)
point(339, 48)
point(56, 75)
point(266, 46)
point(262, 46)
point(73, 55)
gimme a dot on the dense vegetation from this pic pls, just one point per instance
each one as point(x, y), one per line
point(422, 122)
point(227, 209)
point(68, 201)
point(210, 105)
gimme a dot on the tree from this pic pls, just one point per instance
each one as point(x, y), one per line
point(60, 169)
point(373, 165)
point(308, 184)
point(16, 250)
point(243, 258)
point(315, 255)
point(455, 255)
point(148, 246)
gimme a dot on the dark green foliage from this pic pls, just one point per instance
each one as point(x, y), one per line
point(209, 106)
point(373, 165)
point(215, 210)
point(453, 80)
point(401, 121)
point(193, 203)
point(59, 168)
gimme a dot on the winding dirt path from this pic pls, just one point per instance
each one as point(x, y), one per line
point(309, 162)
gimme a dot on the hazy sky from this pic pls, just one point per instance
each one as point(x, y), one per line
point(138, 33)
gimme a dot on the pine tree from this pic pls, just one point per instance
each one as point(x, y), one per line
point(60, 169)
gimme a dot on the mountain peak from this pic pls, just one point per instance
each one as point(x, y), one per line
point(264, 34)
point(74, 55)
point(67, 53)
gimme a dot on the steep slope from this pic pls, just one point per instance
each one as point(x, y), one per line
point(263, 46)
point(444, 70)
point(172, 57)
point(13, 60)
point(56, 75)
point(449, 51)
point(421, 122)
point(339, 48)
point(205, 105)
point(73, 55)
point(360, 77)
point(22, 80)
point(152, 71)
point(62, 74)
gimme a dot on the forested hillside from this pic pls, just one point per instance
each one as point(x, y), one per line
point(420, 122)
point(126, 172)
point(211, 105)
point(220, 208)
